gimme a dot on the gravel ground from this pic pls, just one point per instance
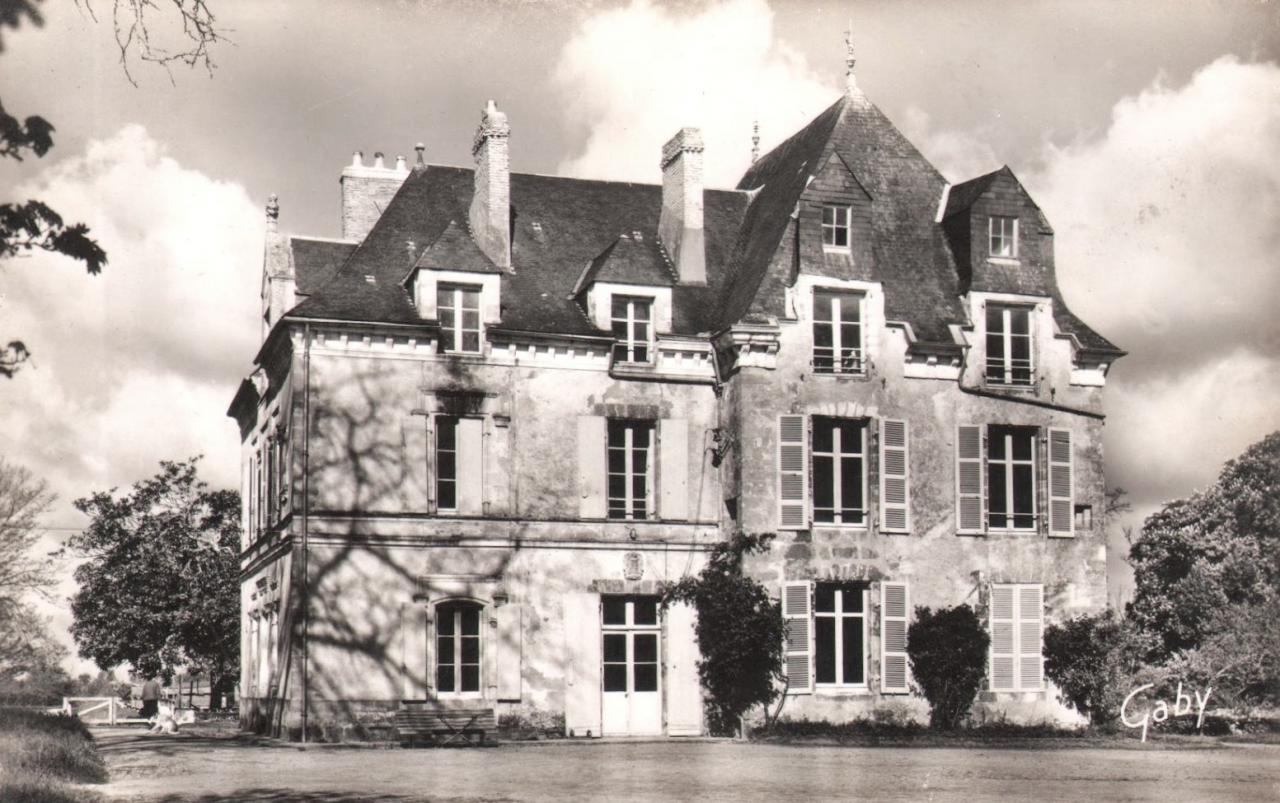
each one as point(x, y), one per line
point(191, 767)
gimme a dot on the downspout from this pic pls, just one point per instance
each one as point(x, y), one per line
point(306, 510)
point(990, 394)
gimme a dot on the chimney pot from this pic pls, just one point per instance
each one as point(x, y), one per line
point(400, 164)
point(377, 161)
point(421, 149)
point(357, 159)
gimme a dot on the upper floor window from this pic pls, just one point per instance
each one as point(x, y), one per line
point(1003, 236)
point(458, 465)
point(630, 468)
point(839, 634)
point(459, 310)
point(837, 333)
point(839, 470)
point(458, 649)
point(1008, 345)
point(1011, 478)
point(835, 226)
point(632, 324)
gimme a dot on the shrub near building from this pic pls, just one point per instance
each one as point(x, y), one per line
point(948, 653)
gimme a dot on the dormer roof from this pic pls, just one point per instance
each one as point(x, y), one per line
point(633, 258)
point(455, 249)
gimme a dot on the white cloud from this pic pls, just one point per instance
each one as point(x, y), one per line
point(140, 363)
point(958, 155)
point(635, 75)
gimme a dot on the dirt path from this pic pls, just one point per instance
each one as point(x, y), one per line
point(190, 768)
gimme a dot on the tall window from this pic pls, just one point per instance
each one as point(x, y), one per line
point(632, 328)
point(630, 468)
point(839, 470)
point(837, 333)
point(458, 648)
point(1009, 345)
point(835, 226)
point(1003, 237)
point(1011, 478)
point(630, 642)
point(459, 309)
point(840, 634)
point(446, 463)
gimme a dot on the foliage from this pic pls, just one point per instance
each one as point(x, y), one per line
point(948, 654)
point(1219, 548)
point(740, 633)
point(1239, 658)
point(159, 585)
point(41, 753)
point(1093, 661)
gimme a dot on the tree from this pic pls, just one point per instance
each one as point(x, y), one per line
point(159, 586)
point(948, 654)
point(1218, 548)
point(740, 631)
point(1093, 660)
point(33, 225)
point(23, 500)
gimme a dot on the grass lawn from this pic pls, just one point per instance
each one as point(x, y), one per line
point(42, 756)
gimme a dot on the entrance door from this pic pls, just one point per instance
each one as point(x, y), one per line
point(632, 697)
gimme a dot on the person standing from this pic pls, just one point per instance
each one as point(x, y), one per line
point(150, 698)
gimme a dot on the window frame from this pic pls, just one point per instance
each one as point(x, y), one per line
point(452, 337)
point(438, 478)
point(832, 303)
point(625, 346)
point(1007, 236)
point(629, 427)
point(1010, 463)
point(836, 227)
point(1006, 371)
point(838, 616)
point(837, 456)
point(456, 607)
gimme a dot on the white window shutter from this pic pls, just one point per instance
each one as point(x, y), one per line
point(470, 466)
point(894, 616)
point(793, 482)
point(684, 690)
point(413, 647)
point(970, 516)
point(414, 490)
point(508, 651)
point(1003, 646)
point(797, 611)
point(582, 652)
point(1030, 633)
point(592, 432)
point(673, 468)
point(1062, 501)
point(895, 482)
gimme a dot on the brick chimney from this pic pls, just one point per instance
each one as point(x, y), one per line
point(490, 214)
point(366, 191)
point(680, 225)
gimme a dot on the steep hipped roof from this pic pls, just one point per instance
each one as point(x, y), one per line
point(559, 226)
point(316, 261)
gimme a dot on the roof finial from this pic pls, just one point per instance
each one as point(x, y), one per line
point(755, 141)
point(273, 211)
point(851, 82)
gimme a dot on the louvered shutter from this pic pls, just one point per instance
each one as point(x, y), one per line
point(470, 466)
point(895, 486)
point(796, 610)
point(1061, 483)
point(1003, 648)
point(793, 507)
point(894, 616)
point(591, 465)
point(673, 468)
point(1030, 627)
point(969, 481)
point(509, 651)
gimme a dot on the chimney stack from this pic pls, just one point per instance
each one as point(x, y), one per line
point(680, 225)
point(366, 191)
point(490, 214)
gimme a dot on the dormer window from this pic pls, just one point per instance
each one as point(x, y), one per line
point(1009, 346)
point(837, 333)
point(458, 307)
point(632, 325)
point(835, 227)
point(1003, 236)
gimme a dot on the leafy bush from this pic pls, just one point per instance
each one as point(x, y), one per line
point(948, 654)
point(1239, 660)
point(1093, 660)
point(739, 631)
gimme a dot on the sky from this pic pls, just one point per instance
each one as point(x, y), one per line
point(1148, 132)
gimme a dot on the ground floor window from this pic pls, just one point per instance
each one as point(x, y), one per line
point(840, 634)
point(458, 648)
point(630, 646)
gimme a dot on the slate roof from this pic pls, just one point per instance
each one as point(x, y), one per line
point(566, 232)
point(316, 261)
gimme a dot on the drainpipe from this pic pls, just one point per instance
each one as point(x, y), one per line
point(1062, 408)
point(306, 510)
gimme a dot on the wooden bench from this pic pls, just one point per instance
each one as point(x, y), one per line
point(444, 725)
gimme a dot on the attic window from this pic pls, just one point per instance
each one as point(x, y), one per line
point(1003, 236)
point(835, 227)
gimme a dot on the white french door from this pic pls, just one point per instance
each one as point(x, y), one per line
point(631, 693)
